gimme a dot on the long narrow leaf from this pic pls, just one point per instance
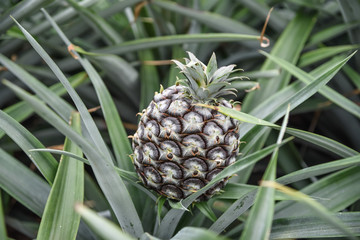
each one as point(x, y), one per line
point(236, 209)
point(149, 79)
point(130, 176)
point(59, 220)
point(319, 170)
point(192, 233)
point(313, 227)
point(329, 93)
point(20, 10)
point(103, 227)
point(107, 177)
point(121, 74)
point(116, 129)
point(104, 172)
point(295, 100)
point(108, 32)
point(326, 192)
point(353, 75)
point(21, 111)
point(85, 115)
point(321, 211)
point(288, 46)
point(258, 224)
point(330, 32)
point(213, 20)
point(324, 142)
point(206, 210)
point(23, 184)
point(3, 234)
point(57, 103)
point(323, 53)
point(44, 161)
point(118, 135)
point(243, 117)
point(153, 42)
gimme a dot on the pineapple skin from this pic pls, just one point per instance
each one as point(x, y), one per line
point(179, 147)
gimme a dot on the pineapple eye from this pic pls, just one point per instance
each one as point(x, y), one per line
point(168, 133)
point(170, 156)
point(193, 122)
point(149, 135)
point(218, 162)
point(151, 151)
point(178, 108)
point(152, 175)
point(169, 146)
point(171, 191)
point(194, 140)
point(195, 151)
point(193, 184)
point(196, 164)
point(195, 173)
point(171, 124)
point(152, 128)
point(138, 156)
point(171, 169)
point(211, 128)
point(163, 105)
point(217, 153)
point(194, 144)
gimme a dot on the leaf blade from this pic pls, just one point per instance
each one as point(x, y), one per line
point(105, 173)
point(320, 210)
point(45, 162)
point(23, 184)
point(332, 95)
point(3, 234)
point(59, 221)
point(193, 233)
point(153, 42)
point(312, 227)
point(57, 103)
point(103, 227)
point(258, 224)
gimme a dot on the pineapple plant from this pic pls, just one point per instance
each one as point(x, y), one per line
point(180, 146)
point(42, 194)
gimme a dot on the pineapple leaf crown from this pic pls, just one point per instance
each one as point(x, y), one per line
point(206, 83)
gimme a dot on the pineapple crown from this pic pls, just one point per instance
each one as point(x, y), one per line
point(206, 83)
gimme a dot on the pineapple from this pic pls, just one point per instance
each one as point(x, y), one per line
point(180, 146)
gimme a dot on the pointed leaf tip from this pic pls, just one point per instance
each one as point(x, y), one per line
point(211, 67)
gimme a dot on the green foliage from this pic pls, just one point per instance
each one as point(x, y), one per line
point(61, 58)
point(67, 190)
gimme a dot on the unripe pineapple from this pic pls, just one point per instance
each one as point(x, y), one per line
point(180, 146)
